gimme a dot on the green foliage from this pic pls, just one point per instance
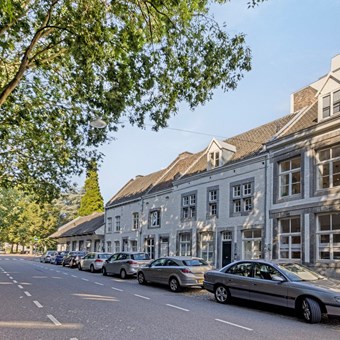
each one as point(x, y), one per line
point(64, 63)
point(92, 201)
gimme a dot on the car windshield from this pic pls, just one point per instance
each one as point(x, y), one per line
point(195, 263)
point(104, 256)
point(140, 256)
point(296, 272)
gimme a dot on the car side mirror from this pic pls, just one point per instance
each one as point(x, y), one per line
point(277, 278)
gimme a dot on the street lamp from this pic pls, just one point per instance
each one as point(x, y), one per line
point(98, 123)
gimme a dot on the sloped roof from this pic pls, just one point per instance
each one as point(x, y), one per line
point(248, 144)
point(86, 225)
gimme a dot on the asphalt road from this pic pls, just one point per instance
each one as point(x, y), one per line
point(44, 301)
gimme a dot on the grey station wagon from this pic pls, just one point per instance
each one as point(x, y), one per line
point(289, 285)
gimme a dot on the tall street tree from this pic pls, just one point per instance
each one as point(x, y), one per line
point(64, 63)
point(92, 201)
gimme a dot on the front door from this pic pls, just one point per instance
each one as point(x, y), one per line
point(226, 253)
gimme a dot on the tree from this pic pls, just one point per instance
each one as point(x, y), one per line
point(92, 201)
point(64, 63)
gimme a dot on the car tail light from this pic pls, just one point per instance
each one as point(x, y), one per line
point(98, 260)
point(186, 271)
point(132, 262)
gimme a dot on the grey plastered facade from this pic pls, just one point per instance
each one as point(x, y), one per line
point(252, 211)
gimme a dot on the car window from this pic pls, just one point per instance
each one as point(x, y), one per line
point(104, 256)
point(171, 263)
point(140, 256)
point(195, 262)
point(241, 269)
point(265, 271)
point(296, 272)
point(122, 256)
point(113, 257)
point(158, 263)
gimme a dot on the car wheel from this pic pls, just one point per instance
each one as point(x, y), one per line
point(123, 274)
point(222, 294)
point(174, 285)
point(104, 272)
point(141, 278)
point(311, 310)
point(79, 267)
point(92, 269)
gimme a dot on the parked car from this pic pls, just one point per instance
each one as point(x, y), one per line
point(46, 257)
point(176, 272)
point(58, 256)
point(288, 285)
point(93, 261)
point(125, 263)
point(72, 259)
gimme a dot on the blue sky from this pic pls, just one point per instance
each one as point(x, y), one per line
point(292, 43)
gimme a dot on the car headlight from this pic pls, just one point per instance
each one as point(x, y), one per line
point(337, 299)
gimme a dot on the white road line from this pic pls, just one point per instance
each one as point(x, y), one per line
point(38, 304)
point(15, 281)
point(65, 273)
point(74, 276)
point(27, 293)
point(119, 290)
point(7, 274)
point(84, 279)
point(100, 284)
point(20, 286)
point(142, 297)
point(234, 324)
point(183, 309)
point(54, 320)
point(10, 277)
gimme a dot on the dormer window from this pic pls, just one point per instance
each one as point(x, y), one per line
point(331, 104)
point(214, 158)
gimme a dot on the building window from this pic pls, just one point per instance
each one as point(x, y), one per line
point(117, 223)
point(135, 221)
point(328, 236)
point(242, 198)
point(212, 203)
point(133, 245)
point(117, 247)
point(108, 247)
point(290, 177)
point(214, 159)
point(252, 240)
point(185, 244)
point(164, 246)
point(207, 246)
point(290, 238)
point(150, 247)
point(155, 218)
point(109, 225)
point(331, 104)
point(189, 206)
point(125, 244)
point(328, 167)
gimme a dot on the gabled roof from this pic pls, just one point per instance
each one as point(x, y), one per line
point(86, 225)
point(247, 144)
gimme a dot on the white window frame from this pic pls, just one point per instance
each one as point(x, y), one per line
point(109, 225)
point(242, 197)
point(184, 244)
point(332, 104)
point(252, 239)
point(108, 246)
point(117, 223)
point(290, 246)
point(155, 218)
point(286, 178)
point(135, 221)
point(189, 206)
point(215, 159)
point(331, 247)
point(207, 251)
point(327, 163)
point(117, 246)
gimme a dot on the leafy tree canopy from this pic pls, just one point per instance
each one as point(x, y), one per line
point(64, 63)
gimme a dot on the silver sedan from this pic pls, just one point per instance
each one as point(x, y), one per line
point(289, 285)
point(176, 272)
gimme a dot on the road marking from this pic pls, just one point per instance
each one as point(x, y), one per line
point(100, 284)
point(183, 309)
point(20, 286)
point(119, 290)
point(27, 293)
point(10, 277)
point(54, 320)
point(84, 279)
point(74, 276)
point(38, 304)
point(142, 297)
point(234, 324)
point(15, 281)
